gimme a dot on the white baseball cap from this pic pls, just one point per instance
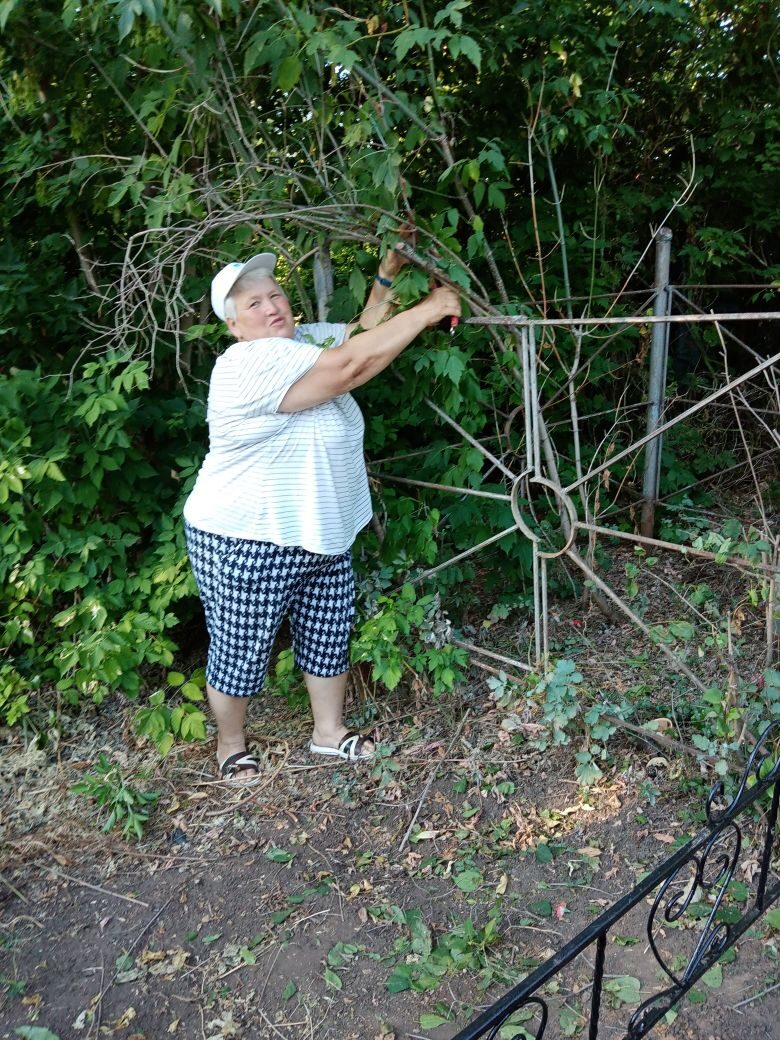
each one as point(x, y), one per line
point(223, 282)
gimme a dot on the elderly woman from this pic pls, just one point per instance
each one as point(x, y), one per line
point(283, 492)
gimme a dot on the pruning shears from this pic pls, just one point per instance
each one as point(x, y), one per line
point(450, 323)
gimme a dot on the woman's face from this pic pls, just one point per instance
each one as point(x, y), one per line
point(262, 311)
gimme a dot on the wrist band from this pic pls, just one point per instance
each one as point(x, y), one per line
point(387, 282)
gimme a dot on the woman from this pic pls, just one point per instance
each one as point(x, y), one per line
point(283, 492)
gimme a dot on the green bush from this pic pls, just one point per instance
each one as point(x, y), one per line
point(406, 632)
point(163, 721)
point(92, 556)
point(93, 564)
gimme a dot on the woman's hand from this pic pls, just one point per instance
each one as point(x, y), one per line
point(443, 302)
point(393, 261)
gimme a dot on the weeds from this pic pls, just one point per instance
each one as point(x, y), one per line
point(125, 805)
point(426, 961)
point(13, 988)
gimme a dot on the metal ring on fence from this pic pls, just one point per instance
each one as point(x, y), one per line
point(566, 503)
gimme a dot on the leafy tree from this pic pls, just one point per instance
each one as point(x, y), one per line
point(532, 145)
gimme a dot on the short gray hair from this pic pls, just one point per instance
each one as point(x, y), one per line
point(241, 285)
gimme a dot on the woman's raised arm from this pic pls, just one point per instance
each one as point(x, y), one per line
point(368, 353)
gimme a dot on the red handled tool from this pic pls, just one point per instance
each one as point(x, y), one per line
point(449, 324)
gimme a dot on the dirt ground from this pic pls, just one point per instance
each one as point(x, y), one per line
point(309, 905)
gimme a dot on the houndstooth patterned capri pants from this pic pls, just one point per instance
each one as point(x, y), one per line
point(247, 588)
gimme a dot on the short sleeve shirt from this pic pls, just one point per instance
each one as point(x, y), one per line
point(295, 478)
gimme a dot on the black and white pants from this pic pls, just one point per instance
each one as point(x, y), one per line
point(248, 587)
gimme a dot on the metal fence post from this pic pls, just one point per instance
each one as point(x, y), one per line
point(659, 349)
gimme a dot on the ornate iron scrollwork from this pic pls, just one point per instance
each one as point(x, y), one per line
point(676, 897)
point(701, 870)
point(759, 758)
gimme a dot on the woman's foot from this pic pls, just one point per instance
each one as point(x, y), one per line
point(237, 766)
point(348, 745)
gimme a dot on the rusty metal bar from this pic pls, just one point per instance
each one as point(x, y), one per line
point(659, 349)
point(673, 659)
point(472, 440)
point(700, 310)
point(528, 410)
point(439, 487)
point(533, 393)
point(522, 320)
point(619, 510)
point(492, 655)
point(733, 406)
point(737, 285)
point(686, 550)
point(537, 606)
point(384, 459)
point(461, 556)
point(545, 633)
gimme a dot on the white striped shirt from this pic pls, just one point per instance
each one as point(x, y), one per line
point(294, 478)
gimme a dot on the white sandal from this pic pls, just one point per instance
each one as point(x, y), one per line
point(352, 748)
point(233, 764)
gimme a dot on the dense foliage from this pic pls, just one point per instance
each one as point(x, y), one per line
point(534, 147)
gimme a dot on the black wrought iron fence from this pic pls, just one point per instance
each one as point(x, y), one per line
point(699, 873)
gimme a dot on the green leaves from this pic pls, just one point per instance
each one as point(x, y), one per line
point(124, 804)
point(422, 942)
point(418, 36)
point(463, 947)
point(570, 1021)
point(469, 880)
point(7, 8)
point(623, 990)
point(96, 538)
point(587, 771)
point(450, 364)
point(432, 1021)
point(468, 47)
point(129, 10)
point(163, 723)
point(402, 628)
point(542, 907)
point(452, 12)
point(422, 38)
point(544, 852)
point(400, 980)
point(561, 699)
point(288, 72)
point(339, 956)
point(279, 855)
point(357, 284)
point(332, 980)
point(713, 977)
